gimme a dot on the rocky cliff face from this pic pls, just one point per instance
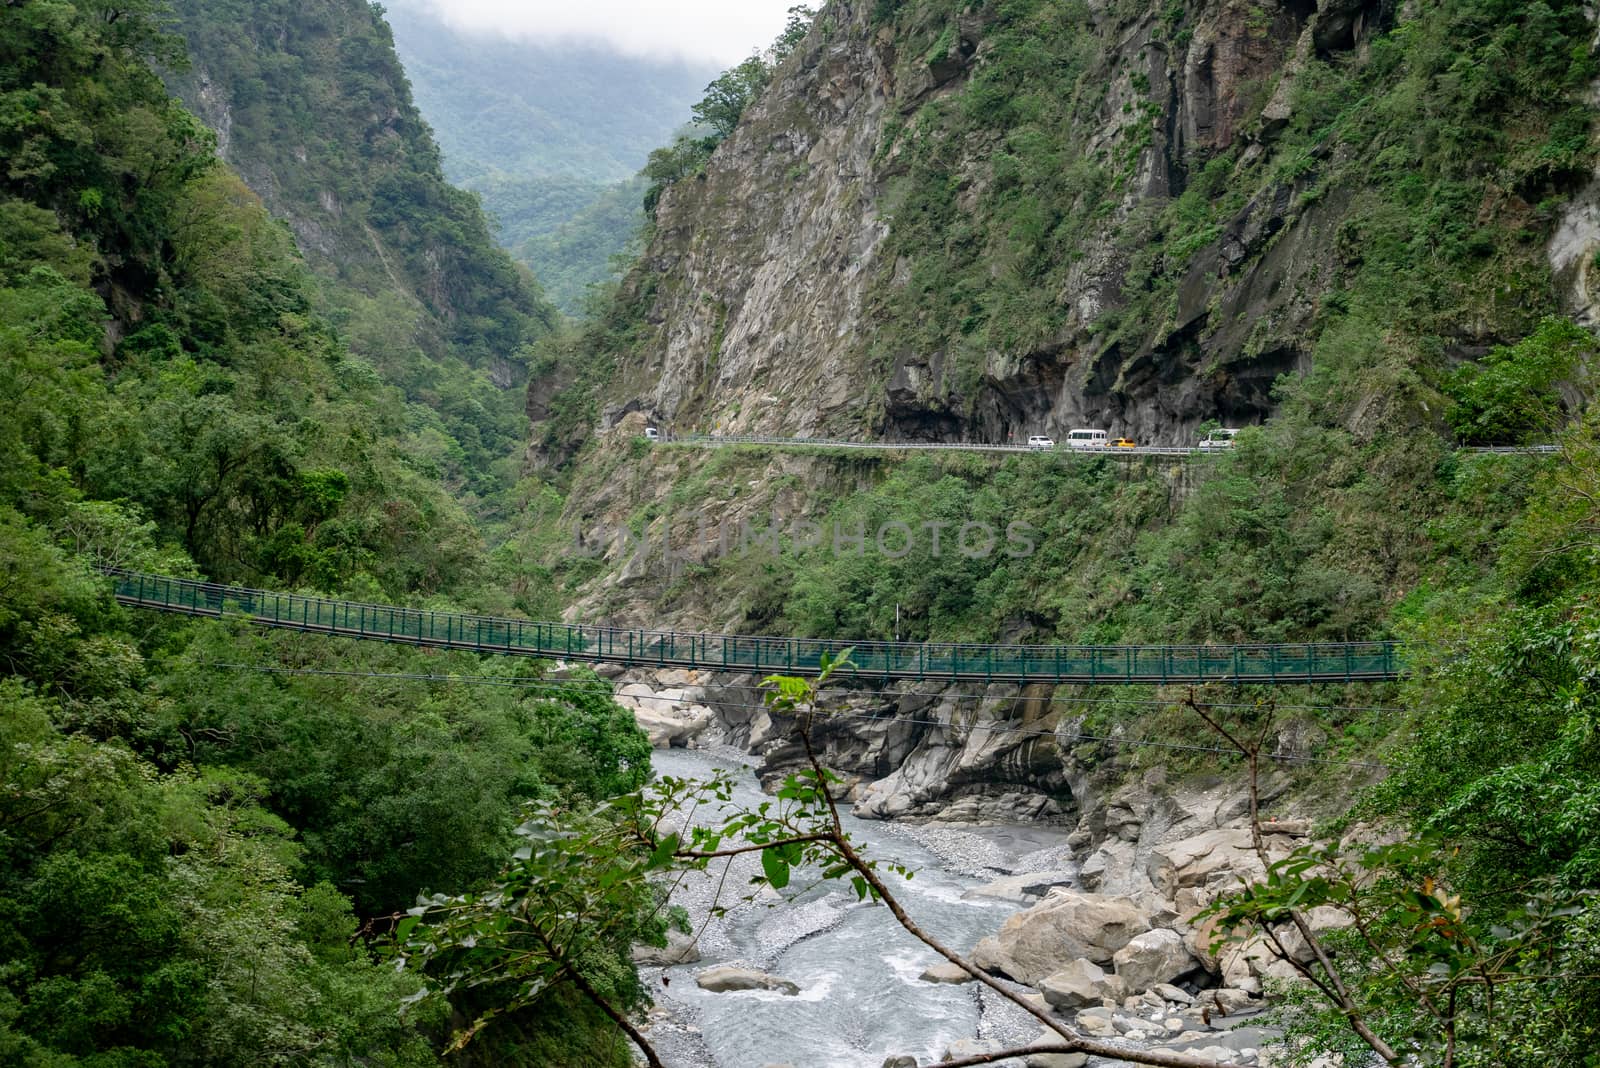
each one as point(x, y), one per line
point(784, 284)
point(980, 221)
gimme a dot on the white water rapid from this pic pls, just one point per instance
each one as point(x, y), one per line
point(860, 997)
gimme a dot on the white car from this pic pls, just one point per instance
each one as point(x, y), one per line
point(1220, 438)
point(1039, 441)
point(652, 434)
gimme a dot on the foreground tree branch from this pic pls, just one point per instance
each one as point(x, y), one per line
point(1329, 982)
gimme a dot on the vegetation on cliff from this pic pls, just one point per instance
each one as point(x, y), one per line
point(1424, 168)
point(314, 110)
point(1412, 174)
point(204, 829)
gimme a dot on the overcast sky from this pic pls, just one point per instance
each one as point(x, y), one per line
point(724, 31)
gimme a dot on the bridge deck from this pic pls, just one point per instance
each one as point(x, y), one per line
point(1271, 664)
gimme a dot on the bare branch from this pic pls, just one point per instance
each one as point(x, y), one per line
point(1340, 994)
point(599, 1001)
point(734, 851)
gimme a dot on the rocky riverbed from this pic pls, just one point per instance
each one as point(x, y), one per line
point(813, 978)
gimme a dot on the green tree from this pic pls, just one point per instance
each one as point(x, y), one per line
point(1512, 395)
point(730, 94)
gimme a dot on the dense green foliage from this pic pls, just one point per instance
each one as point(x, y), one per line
point(200, 836)
point(1513, 395)
point(317, 116)
point(583, 251)
point(1509, 758)
point(1475, 941)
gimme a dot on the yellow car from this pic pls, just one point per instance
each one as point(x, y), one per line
point(1122, 443)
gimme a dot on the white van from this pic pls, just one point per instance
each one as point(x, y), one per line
point(1039, 441)
point(652, 434)
point(1220, 438)
point(1086, 439)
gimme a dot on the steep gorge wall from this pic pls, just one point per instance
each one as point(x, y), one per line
point(987, 220)
point(795, 287)
point(982, 221)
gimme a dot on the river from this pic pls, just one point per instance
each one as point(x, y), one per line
point(860, 997)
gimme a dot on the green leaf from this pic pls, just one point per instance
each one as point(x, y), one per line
point(776, 867)
point(661, 856)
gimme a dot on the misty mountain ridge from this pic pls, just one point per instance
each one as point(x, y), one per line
point(535, 109)
point(545, 133)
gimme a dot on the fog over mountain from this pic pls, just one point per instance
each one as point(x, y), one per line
point(714, 31)
point(543, 130)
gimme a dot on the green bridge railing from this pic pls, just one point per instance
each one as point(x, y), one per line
point(1284, 664)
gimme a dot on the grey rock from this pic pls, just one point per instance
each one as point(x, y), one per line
point(1157, 956)
point(970, 1047)
point(1229, 1002)
point(728, 977)
point(1081, 983)
point(945, 972)
point(1093, 872)
point(1056, 1060)
point(1065, 927)
point(1174, 994)
point(1022, 889)
point(680, 949)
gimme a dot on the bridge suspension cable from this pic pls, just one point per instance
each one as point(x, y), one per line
point(1264, 664)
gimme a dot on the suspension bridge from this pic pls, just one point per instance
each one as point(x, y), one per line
point(1283, 664)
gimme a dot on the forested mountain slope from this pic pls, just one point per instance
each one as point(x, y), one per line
point(954, 221)
point(312, 107)
point(1363, 230)
point(202, 839)
point(550, 134)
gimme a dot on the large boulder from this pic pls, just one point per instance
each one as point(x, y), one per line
point(1022, 889)
point(726, 977)
point(670, 717)
point(1227, 1001)
point(1152, 958)
point(1053, 1060)
point(945, 972)
point(1097, 1022)
point(668, 730)
point(1195, 860)
point(962, 1048)
point(1080, 984)
point(1064, 927)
